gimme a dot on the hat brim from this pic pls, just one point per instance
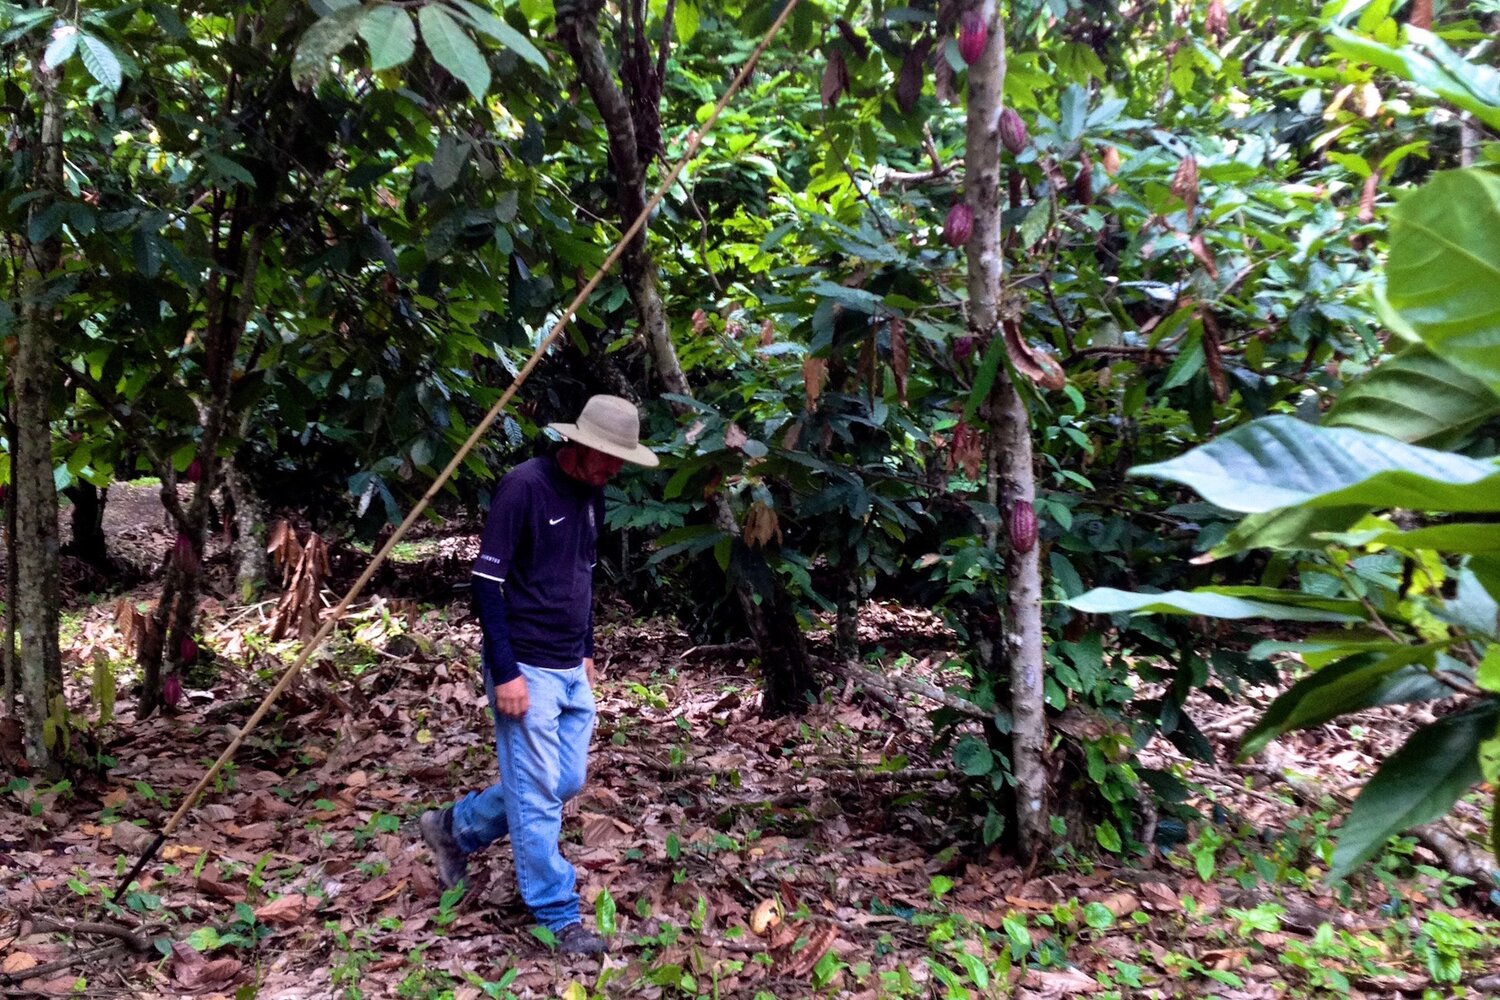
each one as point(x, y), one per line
point(639, 455)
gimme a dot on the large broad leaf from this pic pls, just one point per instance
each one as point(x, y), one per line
point(1463, 538)
point(100, 60)
point(1281, 462)
point(1346, 686)
point(503, 33)
point(325, 39)
point(1228, 602)
point(1291, 528)
point(1415, 397)
point(1416, 784)
point(1428, 62)
point(1443, 273)
point(391, 35)
point(454, 50)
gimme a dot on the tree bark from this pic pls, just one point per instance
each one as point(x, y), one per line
point(36, 516)
point(250, 565)
point(8, 653)
point(1010, 428)
point(88, 542)
point(769, 613)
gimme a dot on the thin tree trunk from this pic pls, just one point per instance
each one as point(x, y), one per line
point(1010, 428)
point(846, 625)
point(88, 542)
point(769, 614)
point(36, 516)
point(9, 652)
point(250, 565)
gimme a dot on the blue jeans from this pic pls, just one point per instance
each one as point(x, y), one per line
point(543, 760)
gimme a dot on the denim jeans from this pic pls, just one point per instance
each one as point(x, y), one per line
point(543, 760)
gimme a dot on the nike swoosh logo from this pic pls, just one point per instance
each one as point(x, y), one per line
point(558, 520)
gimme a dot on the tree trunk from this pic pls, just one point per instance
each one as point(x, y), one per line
point(846, 625)
point(88, 541)
point(250, 565)
point(9, 652)
point(36, 516)
point(1010, 428)
point(769, 613)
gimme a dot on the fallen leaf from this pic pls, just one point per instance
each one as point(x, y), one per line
point(18, 961)
point(599, 830)
point(286, 910)
point(1159, 896)
point(1121, 904)
point(130, 838)
point(116, 798)
point(1056, 985)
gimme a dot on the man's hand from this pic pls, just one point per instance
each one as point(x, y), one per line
point(588, 669)
point(512, 698)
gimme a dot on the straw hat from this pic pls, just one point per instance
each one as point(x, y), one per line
point(611, 425)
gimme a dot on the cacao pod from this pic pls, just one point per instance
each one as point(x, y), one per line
point(1013, 132)
point(171, 690)
point(194, 473)
point(1022, 526)
point(963, 347)
point(973, 36)
point(959, 225)
point(187, 650)
point(184, 555)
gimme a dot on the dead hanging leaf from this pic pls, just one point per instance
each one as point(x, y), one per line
point(792, 436)
point(1039, 366)
point(913, 70)
point(1367, 198)
point(1216, 21)
point(700, 321)
point(1213, 357)
point(966, 450)
point(835, 79)
point(1199, 248)
point(734, 437)
point(761, 526)
point(1185, 185)
point(284, 549)
point(852, 38)
point(301, 603)
point(801, 963)
point(1421, 15)
point(286, 911)
point(767, 333)
point(1111, 160)
point(899, 357)
point(814, 375)
point(695, 432)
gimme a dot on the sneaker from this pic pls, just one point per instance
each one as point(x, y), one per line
point(437, 830)
point(575, 939)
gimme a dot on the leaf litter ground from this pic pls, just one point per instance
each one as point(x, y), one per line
point(301, 875)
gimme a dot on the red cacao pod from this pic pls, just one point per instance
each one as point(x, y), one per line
point(963, 347)
point(959, 225)
point(194, 473)
point(184, 554)
point(973, 36)
point(171, 690)
point(187, 650)
point(1013, 132)
point(1022, 526)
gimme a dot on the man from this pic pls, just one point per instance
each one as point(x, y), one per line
point(533, 592)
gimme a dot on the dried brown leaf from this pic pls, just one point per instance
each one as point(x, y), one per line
point(899, 357)
point(734, 437)
point(1199, 248)
point(767, 333)
point(1185, 185)
point(803, 961)
point(1213, 357)
point(814, 375)
point(1367, 198)
point(18, 961)
point(1421, 14)
point(761, 526)
point(1038, 366)
point(286, 911)
point(835, 78)
point(909, 83)
point(130, 838)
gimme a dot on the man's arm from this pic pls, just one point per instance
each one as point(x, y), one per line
point(503, 532)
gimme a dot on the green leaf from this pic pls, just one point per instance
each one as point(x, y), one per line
point(1268, 603)
point(1345, 686)
point(686, 21)
point(973, 757)
point(1098, 916)
point(1108, 837)
point(1290, 528)
point(984, 377)
point(327, 37)
point(1464, 538)
point(502, 33)
point(1443, 273)
point(391, 35)
point(1467, 85)
point(454, 50)
point(1280, 461)
point(64, 43)
point(100, 60)
point(1415, 397)
point(1488, 674)
point(604, 912)
point(1415, 785)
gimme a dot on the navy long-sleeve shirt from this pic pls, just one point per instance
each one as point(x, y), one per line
point(534, 577)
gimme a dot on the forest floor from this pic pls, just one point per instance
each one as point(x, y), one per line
point(300, 874)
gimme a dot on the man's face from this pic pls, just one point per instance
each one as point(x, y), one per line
point(595, 467)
